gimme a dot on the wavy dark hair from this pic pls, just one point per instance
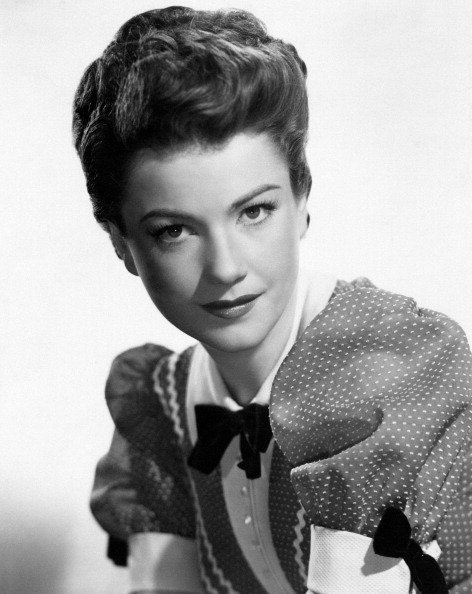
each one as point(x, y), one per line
point(176, 77)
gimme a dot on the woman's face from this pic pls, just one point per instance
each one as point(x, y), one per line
point(214, 235)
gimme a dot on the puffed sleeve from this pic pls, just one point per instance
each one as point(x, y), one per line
point(141, 494)
point(455, 533)
point(372, 406)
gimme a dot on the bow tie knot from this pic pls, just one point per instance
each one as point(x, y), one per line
point(217, 426)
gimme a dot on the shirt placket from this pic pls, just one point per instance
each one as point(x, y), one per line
point(249, 520)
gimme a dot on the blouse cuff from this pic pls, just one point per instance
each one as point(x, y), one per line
point(159, 561)
point(345, 563)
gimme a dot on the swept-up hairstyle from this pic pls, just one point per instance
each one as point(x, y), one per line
point(177, 77)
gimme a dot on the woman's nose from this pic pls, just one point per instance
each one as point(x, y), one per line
point(224, 261)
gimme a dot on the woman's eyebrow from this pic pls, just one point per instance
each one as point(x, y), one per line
point(252, 194)
point(165, 212)
point(170, 212)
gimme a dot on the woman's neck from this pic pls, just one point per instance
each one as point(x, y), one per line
point(244, 372)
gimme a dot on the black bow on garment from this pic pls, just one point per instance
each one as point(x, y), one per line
point(217, 426)
point(393, 539)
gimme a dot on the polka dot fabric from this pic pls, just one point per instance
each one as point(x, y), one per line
point(290, 528)
point(372, 407)
point(154, 494)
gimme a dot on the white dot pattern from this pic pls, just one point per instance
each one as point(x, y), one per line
point(290, 530)
point(372, 406)
point(161, 500)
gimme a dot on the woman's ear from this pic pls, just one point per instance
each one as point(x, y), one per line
point(122, 249)
point(303, 216)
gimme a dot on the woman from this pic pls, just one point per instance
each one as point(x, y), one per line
point(191, 129)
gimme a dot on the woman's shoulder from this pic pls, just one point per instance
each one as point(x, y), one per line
point(141, 382)
point(367, 335)
point(343, 286)
point(368, 346)
point(366, 295)
point(359, 305)
point(134, 364)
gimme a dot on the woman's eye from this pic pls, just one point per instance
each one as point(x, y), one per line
point(257, 213)
point(253, 212)
point(174, 232)
point(171, 233)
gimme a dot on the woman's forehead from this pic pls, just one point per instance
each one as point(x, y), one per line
point(215, 174)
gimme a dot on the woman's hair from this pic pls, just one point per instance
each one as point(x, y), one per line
point(177, 77)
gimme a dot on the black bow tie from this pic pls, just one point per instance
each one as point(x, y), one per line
point(217, 426)
point(393, 539)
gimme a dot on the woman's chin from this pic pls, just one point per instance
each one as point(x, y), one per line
point(232, 340)
point(230, 345)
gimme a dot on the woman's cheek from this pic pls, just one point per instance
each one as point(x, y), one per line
point(172, 278)
point(281, 252)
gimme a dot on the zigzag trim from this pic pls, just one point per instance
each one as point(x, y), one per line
point(158, 388)
point(169, 404)
point(173, 402)
point(297, 544)
point(209, 554)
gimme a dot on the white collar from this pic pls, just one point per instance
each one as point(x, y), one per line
point(205, 384)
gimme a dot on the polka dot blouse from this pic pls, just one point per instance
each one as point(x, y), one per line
point(371, 408)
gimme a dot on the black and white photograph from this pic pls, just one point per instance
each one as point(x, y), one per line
point(237, 297)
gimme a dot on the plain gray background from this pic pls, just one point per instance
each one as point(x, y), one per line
point(391, 101)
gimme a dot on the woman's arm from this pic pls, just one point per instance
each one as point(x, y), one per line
point(455, 532)
point(373, 409)
point(157, 561)
point(142, 494)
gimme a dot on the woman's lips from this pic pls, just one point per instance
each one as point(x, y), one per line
point(231, 309)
